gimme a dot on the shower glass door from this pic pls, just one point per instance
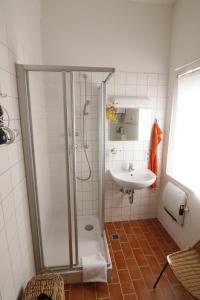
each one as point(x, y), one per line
point(62, 107)
point(89, 99)
point(50, 111)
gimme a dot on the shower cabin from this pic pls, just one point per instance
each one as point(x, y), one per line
point(62, 118)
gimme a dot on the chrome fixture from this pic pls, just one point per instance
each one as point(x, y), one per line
point(84, 136)
point(130, 193)
point(130, 168)
point(113, 150)
point(3, 95)
point(89, 227)
point(87, 102)
point(7, 135)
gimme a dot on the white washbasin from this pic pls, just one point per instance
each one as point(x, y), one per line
point(137, 179)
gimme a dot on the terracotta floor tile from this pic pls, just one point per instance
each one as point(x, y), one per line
point(134, 223)
point(141, 260)
point(159, 254)
point(102, 290)
point(145, 247)
point(157, 294)
point(140, 236)
point(76, 292)
point(67, 287)
point(125, 280)
point(130, 297)
point(132, 262)
point(133, 241)
point(115, 292)
point(67, 295)
point(112, 257)
point(167, 246)
point(181, 293)
point(149, 278)
point(127, 250)
point(137, 261)
point(151, 239)
point(89, 293)
point(109, 225)
point(153, 264)
point(114, 277)
point(166, 236)
point(144, 227)
point(115, 244)
point(118, 225)
point(119, 260)
point(133, 269)
point(111, 229)
point(136, 230)
point(127, 228)
point(122, 236)
point(91, 284)
point(142, 292)
point(166, 288)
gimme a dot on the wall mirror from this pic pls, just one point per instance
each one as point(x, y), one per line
point(131, 124)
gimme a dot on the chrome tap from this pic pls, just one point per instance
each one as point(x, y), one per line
point(113, 150)
point(130, 168)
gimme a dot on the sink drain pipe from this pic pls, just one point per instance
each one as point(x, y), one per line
point(130, 193)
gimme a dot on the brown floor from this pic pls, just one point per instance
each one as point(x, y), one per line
point(137, 259)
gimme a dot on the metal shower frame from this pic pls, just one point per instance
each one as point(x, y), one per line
point(29, 156)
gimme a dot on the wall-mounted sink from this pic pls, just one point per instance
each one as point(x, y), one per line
point(136, 180)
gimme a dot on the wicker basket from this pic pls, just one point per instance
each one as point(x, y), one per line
point(50, 284)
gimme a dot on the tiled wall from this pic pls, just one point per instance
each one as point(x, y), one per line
point(125, 84)
point(16, 255)
point(117, 206)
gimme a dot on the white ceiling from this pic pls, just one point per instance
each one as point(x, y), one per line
point(155, 1)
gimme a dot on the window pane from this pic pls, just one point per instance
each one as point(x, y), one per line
point(184, 147)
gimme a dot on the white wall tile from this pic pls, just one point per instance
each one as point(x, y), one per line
point(1, 217)
point(15, 235)
point(6, 184)
point(4, 62)
point(131, 78)
point(142, 79)
point(144, 204)
point(120, 78)
point(4, 160)
point(152, 79)
point(8, 207)
point(131, 90)
point(11, 228)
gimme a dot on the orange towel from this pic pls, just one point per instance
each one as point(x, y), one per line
point(153, 162)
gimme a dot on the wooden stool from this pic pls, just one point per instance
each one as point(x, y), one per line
point(50, 284)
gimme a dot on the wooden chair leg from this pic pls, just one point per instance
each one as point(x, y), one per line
point(165, 266)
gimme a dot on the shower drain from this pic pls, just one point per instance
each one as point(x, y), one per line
point(89, 227)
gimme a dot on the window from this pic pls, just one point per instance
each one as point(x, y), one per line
point(184, 146)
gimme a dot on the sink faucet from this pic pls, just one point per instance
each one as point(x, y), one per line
point(130, 168)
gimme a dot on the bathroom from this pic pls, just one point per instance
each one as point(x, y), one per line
point(67, 189)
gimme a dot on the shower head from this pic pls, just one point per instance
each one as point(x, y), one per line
point(87, 102)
